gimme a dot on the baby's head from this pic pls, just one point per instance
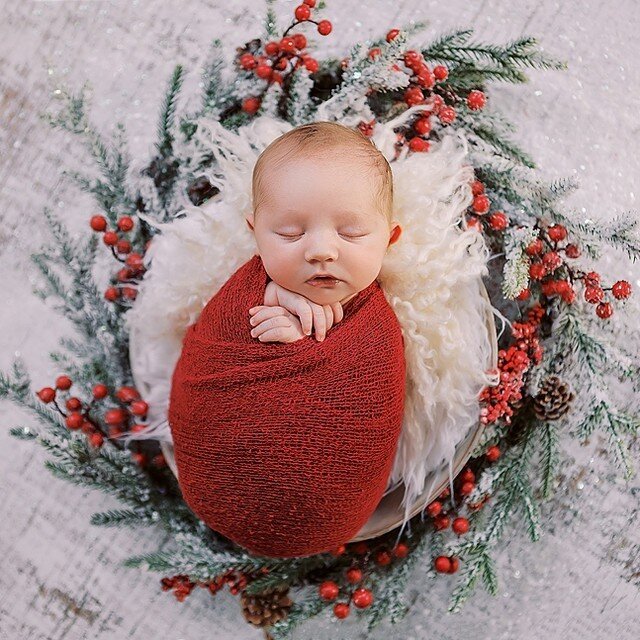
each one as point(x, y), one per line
point(323, 202)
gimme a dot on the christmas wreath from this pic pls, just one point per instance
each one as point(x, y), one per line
point(553, 361)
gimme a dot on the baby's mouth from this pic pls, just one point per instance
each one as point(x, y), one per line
point(323, 281)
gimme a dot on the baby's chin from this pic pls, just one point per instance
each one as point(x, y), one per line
point(328, 295)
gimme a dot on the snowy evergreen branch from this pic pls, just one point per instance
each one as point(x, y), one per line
point(167, 113)
point(549, 456)
point(456, 47)
point(516, 267)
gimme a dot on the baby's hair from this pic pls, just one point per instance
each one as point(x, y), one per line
point(318, 138)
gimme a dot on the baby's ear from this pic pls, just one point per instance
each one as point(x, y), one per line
point(395, 233)
point(249, 220)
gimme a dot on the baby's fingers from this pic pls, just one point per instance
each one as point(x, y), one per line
point(322, 320)
point(338, 313)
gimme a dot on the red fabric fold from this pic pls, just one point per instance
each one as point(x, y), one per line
point(286, 449)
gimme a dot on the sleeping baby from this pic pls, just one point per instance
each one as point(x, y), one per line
point(285, 443)
point(322, 207)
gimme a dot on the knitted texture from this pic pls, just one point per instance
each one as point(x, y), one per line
point(286, 448)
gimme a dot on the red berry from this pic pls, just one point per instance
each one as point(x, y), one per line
point(592, 278)
point(341, 610)
point(412, 59)
point(442, 564)
point(138, 427)
point(419, 144)
point(440, 72)
point(604, 310)
point(441, 522)
point(250, 105)
point(354, 575)
point(63, 383)
point(87, 428)
point(434, 509)
point(309, 3)
point(362, 598)
point(534, 248)
point(123, 246)
point(74, 420)
point(247, 61)
point(360, 548)
point(391, 35)
point(96, 440)
point(593, 294)
point(467, 476)
point(328, 590)
point(426, 78)
point(552, 260)
point(437, 103)
point(460, 526)
point(127, 394)
point(299, 40)
point(272, 48)
point(129, 292)
point(98, 223)
point(115, 416)
point(159, 461)
point(139, 407)
point(447, 115)
point(524, 294)
point(557, 232)
point(621, 290)
point(572, 251)
point(47, 394)
point(493, 453)
point(125, 223)
point(110, 238)
point(401, 550)
point(324, 27)
point(498, 221)
point(311, 65)
point(477, 187)
point(111, 294)
point(467, 488)
point(413, 96)
point(422, 126)
point(338, 551)
point(476, 100)
point(383, 558)
point(100, 391)
point(134, 260)
point(74, 404)
point(537, 270)
point(374, 53)
point(480, 204)
point(302, 12)
point(139, 458)
point(455, 565)
point(264, 71)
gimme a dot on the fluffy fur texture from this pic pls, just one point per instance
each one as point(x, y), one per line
point(431, 278)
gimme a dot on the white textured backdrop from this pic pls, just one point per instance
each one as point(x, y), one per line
point(59, 576)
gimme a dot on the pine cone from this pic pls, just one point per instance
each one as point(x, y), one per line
point(553, 400)
point(266, 608)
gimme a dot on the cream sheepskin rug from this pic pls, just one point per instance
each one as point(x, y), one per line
point(431, 278)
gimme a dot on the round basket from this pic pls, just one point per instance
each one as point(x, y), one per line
point(389, 513)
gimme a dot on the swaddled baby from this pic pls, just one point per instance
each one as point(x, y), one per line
point(287, 448)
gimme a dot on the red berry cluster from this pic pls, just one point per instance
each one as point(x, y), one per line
point(356, 574)
point(479, 214)
point(114, 421)
point(546, 260)
point(513, 363)
point(134, 267)
point(421, 90)
point(280, 58)
point(182, 585)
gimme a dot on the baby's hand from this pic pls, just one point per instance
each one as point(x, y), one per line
point(275, 324)
point(312, 315)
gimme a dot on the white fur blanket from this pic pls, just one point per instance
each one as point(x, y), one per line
point(431, 278)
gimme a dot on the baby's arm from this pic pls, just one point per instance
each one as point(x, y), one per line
point(311, 315)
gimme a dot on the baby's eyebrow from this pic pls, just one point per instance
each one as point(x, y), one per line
point(347, 214)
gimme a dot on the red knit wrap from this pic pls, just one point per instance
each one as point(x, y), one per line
point(286, 449)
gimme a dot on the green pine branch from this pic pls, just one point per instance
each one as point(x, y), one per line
point(168, 112)
point(549, 456)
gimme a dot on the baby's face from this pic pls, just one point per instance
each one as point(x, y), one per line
point(320, 215)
